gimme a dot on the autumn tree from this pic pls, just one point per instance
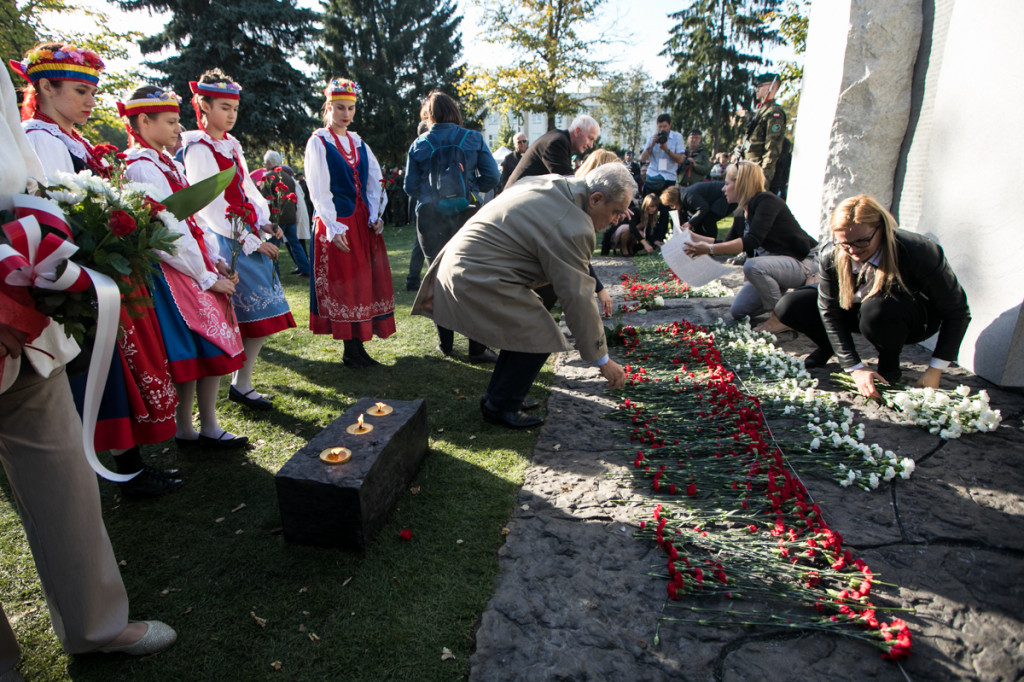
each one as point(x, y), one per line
point(24, 25)
point(546, 56)
point(626, 101)
point(716, 46)
point(397, 51)
point(252, 41)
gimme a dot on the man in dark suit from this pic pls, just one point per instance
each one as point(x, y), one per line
point(552, 152)
point(509, 163)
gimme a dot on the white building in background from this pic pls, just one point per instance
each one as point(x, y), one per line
point(534, 124)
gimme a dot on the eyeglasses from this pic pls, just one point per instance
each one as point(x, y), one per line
point(858, 243)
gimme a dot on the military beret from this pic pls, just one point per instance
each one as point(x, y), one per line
point(767, 77)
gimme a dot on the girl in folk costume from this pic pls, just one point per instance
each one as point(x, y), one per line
point(259, 300)
point(351, 295)
point(138, 401)
point(192, 292)
point(60, 95)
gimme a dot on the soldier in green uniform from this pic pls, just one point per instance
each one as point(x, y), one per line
point(696, 161)
point(767, 129)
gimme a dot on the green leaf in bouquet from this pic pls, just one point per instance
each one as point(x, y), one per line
point(186, 202)
point(120, 263)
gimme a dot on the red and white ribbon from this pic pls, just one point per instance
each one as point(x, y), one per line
point(32, 260)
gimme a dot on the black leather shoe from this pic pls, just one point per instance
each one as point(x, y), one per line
point(186, 444)
point(509, 419)
point(447, 352)
point(162, 473)
point(236, 396)
point(294, 272)
point(223, 442)
point(529, 405)
point(147, 485)
point(819, 357)
point(412, 286)
point(487, 357)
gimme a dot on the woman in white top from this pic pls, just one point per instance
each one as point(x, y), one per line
point(351, 294)
point(259, 300)
point(191, 293)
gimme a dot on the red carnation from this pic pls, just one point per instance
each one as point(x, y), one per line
point(122, 224)
point(278, 169)
point(406, 535)
point(280, 187)
point(691, 490)
point(292, 198)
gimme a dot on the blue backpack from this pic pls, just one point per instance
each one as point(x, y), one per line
point(448, 177)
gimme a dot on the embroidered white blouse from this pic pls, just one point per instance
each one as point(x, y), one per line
point(201, 164)
point(318, 180)
point(187, 258)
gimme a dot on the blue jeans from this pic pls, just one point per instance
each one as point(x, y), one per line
point(298, 253)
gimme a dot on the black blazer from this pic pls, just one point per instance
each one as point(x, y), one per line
point(549, 154)
point(704, 198)
point(929, 279)
point(771, 227)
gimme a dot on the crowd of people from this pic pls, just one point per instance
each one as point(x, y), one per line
point(495, 270)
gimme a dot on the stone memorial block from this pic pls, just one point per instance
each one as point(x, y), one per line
point(346, 505)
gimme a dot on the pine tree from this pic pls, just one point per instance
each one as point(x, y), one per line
point(397, 51)
point(251, 41)
point(716, 46)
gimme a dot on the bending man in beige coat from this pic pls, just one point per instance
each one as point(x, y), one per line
point(540, 230)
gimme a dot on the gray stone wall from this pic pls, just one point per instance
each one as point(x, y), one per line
point(914, 102)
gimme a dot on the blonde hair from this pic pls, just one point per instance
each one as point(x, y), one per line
point(864, 209)
point(648, 220)
point(670, 197)
point(598, 157)
point(749, 181)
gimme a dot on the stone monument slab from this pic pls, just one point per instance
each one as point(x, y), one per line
point(346, 505)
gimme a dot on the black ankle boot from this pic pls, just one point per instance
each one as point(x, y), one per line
point(819, 357)
point(889, 367)
point(353, 356)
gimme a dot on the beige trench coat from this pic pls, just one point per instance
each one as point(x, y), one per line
point(481, 284)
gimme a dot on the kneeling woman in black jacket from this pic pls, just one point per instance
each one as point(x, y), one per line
point(893, 286)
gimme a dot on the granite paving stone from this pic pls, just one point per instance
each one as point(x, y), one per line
point(579, 598)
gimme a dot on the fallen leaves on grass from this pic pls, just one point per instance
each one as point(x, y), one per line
point(447, 655)
point(262, 622)
point(240, 506)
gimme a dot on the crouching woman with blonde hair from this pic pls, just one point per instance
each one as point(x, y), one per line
point(893, 286)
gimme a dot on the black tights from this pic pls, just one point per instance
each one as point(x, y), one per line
point(888, 322)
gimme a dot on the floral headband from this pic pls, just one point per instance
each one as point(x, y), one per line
point(153, 103)
point(216, 90)
point(342, 89)
point(68, 63)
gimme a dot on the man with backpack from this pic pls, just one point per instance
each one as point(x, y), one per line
point(448, 168)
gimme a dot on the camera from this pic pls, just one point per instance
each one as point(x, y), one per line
point(661, 137)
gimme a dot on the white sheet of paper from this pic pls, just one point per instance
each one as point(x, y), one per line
point(663, 164)
point(694, 271)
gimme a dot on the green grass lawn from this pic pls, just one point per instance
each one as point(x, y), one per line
point(208, 557)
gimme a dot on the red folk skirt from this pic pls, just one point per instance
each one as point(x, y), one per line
point(351, 294)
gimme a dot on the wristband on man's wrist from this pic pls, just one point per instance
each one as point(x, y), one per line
point(711, 249)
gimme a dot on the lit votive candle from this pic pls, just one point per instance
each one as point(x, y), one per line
point(359, 427)
point(380, 409)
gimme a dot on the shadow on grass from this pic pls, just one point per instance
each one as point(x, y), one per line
point(210, 559)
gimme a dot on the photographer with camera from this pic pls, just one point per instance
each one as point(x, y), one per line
point(696, 161)
point(665, 150)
